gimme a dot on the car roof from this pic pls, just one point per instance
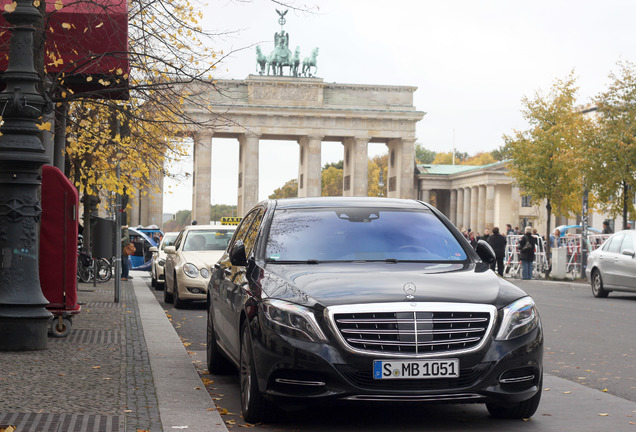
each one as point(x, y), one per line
point(209, 227)
point(316, 202)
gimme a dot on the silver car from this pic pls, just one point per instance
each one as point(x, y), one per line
point(612, 267)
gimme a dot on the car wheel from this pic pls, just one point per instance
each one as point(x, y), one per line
point(597, 285)
point(176, 300)
point(167, 297)
point(253, 405)
point(153, 280)
point(217, 363)
point(521, 410)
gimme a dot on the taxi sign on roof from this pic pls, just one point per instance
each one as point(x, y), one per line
point(230, 220)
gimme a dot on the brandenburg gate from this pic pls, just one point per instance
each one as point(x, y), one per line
point(309, 111)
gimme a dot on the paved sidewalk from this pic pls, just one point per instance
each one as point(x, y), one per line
point(123, 368)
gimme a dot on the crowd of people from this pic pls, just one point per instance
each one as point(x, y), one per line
point(526, 246)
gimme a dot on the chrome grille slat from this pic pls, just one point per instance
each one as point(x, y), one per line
point(408, 329)
point(420, 332)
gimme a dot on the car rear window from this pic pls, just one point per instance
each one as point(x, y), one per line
point(360, 234)
point(202, 240)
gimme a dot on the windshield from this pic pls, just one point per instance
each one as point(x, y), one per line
point(206, 240)
point(168, 240)
point(360, 234)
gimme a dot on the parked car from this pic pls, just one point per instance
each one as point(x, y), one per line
point(368, 299)
point(157, 275)
point(612, 267)
point(188, 261)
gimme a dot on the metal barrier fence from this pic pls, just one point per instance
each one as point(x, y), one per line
point(572, 242)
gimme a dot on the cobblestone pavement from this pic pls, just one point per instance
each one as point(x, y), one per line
point(96, 379)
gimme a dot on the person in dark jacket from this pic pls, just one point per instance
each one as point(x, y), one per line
point(526, 253)
point(498, 244)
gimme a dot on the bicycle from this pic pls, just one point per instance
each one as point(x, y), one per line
point(89, 268)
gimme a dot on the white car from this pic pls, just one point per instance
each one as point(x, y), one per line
point(187, 269)
point(157, 278)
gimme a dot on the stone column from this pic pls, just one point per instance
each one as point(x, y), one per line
point(453, 206)
point(355, 173)
point(152, 203)
point(425, 195)
point(401, 165)
point(474, 207)
point(467, 199)
point(490, 206)
point(309, 166)
point(460, 208)
point(481, 210)
point(201, 177)
point(248, 172)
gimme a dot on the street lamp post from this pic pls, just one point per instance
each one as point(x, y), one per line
point(23, 316)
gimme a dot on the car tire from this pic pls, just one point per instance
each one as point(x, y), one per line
point(167, 297)
point(597, 285)
point(153, 280)
point(521, 410)
point(216, 361)
point(176, 300)
point(254, 406)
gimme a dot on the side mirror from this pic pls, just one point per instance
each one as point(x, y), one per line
point(153, 249)
point(629, 252)
point(485, 252)
point(237, 254)
point(169, 250)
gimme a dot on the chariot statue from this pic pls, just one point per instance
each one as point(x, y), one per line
point(281, 57)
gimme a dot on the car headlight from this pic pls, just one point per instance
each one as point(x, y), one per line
point(292, 320)
point(161, 262)
point(191, 270)
point(205, 273)
point(519, 318)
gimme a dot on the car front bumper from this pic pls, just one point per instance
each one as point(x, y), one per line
point(296, 371)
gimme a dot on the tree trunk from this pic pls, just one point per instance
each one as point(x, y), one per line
point(625, 203)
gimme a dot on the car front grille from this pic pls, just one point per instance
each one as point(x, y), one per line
point(422, 331)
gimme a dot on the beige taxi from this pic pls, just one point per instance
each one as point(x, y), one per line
point(188, 262)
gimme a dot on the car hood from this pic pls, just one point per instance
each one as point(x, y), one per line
point(356, 283)
point(200, 258)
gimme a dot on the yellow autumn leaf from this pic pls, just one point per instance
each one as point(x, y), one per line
point(67, 26)
point(10, 7)
point(36, 3)
point(99, 25)
point(89, 79)
point(58, 4)
point(44, 126)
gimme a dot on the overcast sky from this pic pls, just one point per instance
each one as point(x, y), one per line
point(471, 60)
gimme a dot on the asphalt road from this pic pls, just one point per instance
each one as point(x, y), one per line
point(589, 383)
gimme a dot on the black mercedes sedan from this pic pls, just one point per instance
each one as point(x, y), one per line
point(368, 299)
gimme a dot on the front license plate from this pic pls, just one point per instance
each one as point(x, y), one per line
point(392, 369)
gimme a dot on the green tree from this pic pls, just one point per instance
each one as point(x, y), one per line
point(288, 190)
point(480, 159)
point(543, 156)
point(423, 155)
point(613, 160)
point(338, 165)
point(501, 153)
point(218, 211)
point(447, 158)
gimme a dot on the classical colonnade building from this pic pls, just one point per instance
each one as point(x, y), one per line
point(308, 111)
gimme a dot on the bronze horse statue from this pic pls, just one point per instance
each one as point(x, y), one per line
point(310, 62)
point(261, 61)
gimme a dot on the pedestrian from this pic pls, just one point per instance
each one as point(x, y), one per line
point(517, 232)
point(498, 244)
point(486, 235)
point(472, 239)
point(606, 227)
point(526, 253)
point(125, 242)
point(509, 230)
point(554, 238)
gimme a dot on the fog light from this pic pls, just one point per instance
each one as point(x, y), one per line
point(196, 290)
